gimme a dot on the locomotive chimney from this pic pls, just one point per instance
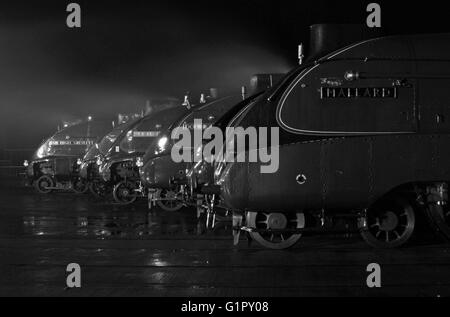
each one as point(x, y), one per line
point(326, 38)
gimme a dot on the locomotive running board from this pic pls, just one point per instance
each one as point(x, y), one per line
point(295, 231)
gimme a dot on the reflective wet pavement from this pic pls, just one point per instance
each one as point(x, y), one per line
point(129, 251)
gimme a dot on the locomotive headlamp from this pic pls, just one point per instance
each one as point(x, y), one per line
point(25, 163)
point(139, 161)
point(162, 145)
point(351, 75)
point(79, 161)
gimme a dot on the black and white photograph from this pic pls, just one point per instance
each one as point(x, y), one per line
point(224, 154)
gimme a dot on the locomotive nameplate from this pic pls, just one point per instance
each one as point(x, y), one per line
point(146, 134)
point(358, 92)
point(71, 142)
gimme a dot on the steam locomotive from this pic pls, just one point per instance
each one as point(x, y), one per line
point(89, 164)
point(165, 178)
point(364, 135)
point(55, 165)
point(119, 168)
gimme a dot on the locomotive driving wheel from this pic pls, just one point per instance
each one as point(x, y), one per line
point(124, 193)
point(280, 223)
point(169, 200)
point(389, 223)
point(98, 189)
point(44, 184)
point(80, 185)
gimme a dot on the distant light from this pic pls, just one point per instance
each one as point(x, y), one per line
point(65, 125)
point(90, 118)
point(139, 162)
point(25, 163)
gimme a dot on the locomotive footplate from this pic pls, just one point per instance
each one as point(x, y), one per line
point(297, 231)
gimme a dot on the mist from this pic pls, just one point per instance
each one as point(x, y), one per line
point(52, 74)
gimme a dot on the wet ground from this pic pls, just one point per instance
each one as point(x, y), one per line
point(130, 251)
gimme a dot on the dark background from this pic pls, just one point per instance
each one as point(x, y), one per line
point(130, 51)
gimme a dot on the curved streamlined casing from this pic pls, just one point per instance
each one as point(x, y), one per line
point(346, 149)
point(72, 141)
point(88, 165)
point(57, 156)
point(160, 169)
point(136, 140)
point(339, 173)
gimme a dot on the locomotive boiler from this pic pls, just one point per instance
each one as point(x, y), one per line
point(120, 167)
point(55, 165)
point(364, 135)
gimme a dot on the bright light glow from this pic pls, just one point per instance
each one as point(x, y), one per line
point(139, 162)
point(41, 151)
point(25, 163)
point(162, 144)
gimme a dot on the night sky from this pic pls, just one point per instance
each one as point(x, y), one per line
point(130, 51)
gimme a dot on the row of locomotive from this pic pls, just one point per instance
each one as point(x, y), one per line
point(363, 140)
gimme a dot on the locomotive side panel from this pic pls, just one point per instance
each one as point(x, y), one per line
point(322, 101)
point(345, 173)
point(433, 96)
point(296, 185)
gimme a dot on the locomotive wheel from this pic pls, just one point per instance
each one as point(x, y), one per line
point(98, 189)
point(80, 186)
point(389, 224)
point(124, 194)
point(440, 219)
point(43, 183)
point(275, 221)
point(171, 201)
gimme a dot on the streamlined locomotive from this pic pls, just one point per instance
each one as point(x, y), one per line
point(165, 178)
point(120, 167)
point(89, 167)
point(55, 165)
point(364, 135)
point(174, 184)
